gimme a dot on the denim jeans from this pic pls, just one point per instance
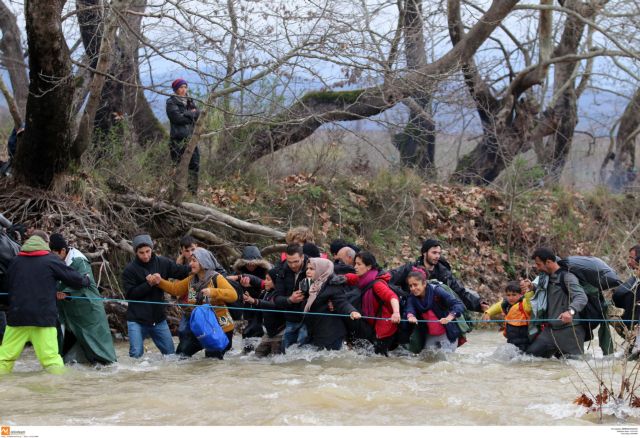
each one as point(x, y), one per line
point(159, 333)
point(294, 333)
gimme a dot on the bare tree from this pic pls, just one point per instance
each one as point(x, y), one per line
point(53, 139)
point(515, 122)
point(45, 147)
point(417, 142)
point(13, 61)
point(122, 95)
point(313, 109)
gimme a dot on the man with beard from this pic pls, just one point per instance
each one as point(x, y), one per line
point(558, 299)
point(437, 268)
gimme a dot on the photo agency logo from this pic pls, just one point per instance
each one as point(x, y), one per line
point(6, 431)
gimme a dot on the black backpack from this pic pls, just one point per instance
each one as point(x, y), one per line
point(8, 250)
point(595, 276)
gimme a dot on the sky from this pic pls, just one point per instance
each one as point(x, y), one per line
point(597, 109)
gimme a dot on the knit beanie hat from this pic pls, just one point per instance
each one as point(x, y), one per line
point(310, 250)
point(142, 240)
point(177, 84)
point(337, 245)
point(428, 244)
point(57, 242)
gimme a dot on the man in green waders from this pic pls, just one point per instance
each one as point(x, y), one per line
point(32, 278)
point(86, 337)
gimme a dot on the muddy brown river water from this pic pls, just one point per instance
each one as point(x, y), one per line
point(484, 383)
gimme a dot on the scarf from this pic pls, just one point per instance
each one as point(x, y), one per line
point(368, 300)
point(196, 285)
point(323, 270)
point(425, 303)
point(183, 100)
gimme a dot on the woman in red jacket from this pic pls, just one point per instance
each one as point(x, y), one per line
point(378, 300)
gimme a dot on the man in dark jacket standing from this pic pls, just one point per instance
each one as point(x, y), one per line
point(182, 113)
point(290, 297)
point(559, 298)
point(140, 279)
point(438, 269)
point(33, 314)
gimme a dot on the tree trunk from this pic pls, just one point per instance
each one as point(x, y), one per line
point(45, 148)
point(130, 100)
point(552, 155)
point(625, 150)
point(84, 135)
point(12, 58)
point(416, 143)
point(119, 100)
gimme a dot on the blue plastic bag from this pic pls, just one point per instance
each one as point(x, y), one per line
point(205, 327)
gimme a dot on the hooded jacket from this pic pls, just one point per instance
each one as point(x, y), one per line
point(134, 280)
point(32, 279)
point(251, 255)
point(86, 318)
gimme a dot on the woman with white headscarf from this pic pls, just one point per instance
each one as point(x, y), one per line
point(326, 331)
point(203, 286)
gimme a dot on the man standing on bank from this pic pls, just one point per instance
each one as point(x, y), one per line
point(182, 113)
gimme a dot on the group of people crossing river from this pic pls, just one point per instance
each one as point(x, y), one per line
point(343, 299)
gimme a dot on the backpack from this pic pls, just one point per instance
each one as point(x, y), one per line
point(361, 329)
point(8, 250)
point(355, 294)
point(595, 276)
point(465, 327)
point(205, 327)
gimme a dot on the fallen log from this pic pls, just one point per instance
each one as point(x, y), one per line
point(205, 213)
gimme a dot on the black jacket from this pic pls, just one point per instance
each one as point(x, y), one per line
point(32, 282)
point(325, 330)
point(287, 283)
point(273, 322)
point(181, 117)
point(442, 273)
point(136, 287)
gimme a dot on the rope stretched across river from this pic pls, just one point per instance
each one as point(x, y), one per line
point(342, 315)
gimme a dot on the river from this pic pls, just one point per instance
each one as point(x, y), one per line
point(483, 383)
